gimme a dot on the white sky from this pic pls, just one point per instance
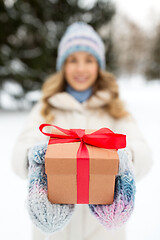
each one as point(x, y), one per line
point(144, 12)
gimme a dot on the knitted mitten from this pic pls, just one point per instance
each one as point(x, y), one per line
point(46, 216)
point(116, 214)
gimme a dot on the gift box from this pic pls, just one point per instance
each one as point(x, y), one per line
point(81, 165)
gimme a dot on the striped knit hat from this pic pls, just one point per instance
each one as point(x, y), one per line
point(80, 36)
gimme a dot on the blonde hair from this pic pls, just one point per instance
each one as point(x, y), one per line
point(56, 83)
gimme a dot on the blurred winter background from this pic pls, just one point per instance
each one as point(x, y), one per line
point(29, 34)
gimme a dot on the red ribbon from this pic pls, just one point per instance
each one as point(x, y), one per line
point(103, 138)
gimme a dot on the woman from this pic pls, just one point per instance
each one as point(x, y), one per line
point(81, 94)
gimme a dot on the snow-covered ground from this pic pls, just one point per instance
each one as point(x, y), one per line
point(143, 100)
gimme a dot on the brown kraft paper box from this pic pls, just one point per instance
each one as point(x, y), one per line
point(61, 170)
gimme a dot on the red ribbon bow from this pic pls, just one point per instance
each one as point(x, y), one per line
point(103, 138)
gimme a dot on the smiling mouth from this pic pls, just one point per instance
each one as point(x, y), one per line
point(80, 79)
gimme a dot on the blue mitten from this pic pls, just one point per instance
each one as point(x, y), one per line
point(46, 216)
point(116, 214)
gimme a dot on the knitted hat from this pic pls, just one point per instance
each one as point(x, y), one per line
point(80, 36)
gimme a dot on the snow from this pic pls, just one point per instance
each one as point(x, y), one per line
point(14, 221)
point(12, 97)
point(143, 101)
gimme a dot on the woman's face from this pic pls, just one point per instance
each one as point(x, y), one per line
point(81, 70)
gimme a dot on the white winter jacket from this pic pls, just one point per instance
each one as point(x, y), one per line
point(69, 113)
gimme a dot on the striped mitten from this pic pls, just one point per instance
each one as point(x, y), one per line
point(46, 216)
point(116, 214)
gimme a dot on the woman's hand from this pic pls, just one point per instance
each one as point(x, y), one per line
point(46, 216)
point(117, 213)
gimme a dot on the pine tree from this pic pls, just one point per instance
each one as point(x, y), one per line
point(31, 31)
